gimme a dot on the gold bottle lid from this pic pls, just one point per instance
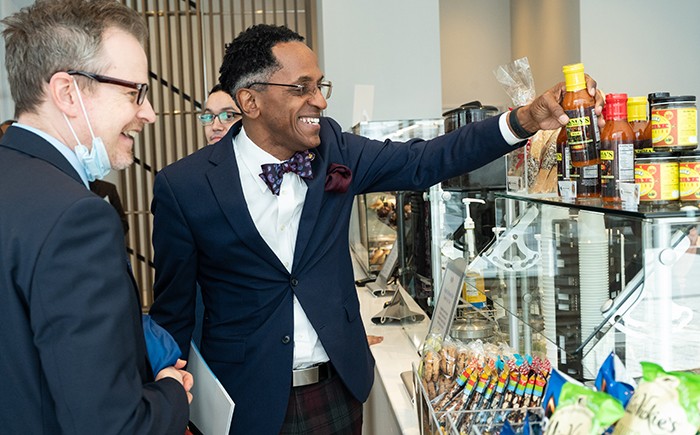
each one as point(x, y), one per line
point(574, 77)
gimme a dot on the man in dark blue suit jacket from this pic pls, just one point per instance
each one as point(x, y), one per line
point(282, 327)
point(72, 349)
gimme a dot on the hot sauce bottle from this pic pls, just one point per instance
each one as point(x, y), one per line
point(563, 160)
point(639, 121)
point(582, 132)
point(587, 181)
point(616, 148)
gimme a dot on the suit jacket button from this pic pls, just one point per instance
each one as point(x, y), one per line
point(294, 282)
point(286, 339)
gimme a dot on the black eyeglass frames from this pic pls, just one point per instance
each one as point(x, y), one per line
point(224, 117)
point(141, 88)
point(305, 90)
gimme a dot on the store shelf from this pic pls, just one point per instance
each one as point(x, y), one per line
point(587, 279)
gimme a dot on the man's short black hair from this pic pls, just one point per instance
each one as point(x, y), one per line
point(217, 87)
point(249, 57)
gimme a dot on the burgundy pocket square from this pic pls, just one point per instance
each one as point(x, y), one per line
point(338, 178)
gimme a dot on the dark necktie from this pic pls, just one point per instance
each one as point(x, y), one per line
point(299, 163)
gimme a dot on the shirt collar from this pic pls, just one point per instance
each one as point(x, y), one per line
point(68, 153)
point(251, 157)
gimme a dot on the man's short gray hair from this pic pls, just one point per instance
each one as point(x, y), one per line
point(59, 35)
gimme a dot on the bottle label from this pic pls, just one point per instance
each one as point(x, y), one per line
point(689, 174)
point(582, 135)
point(617, 165)
point(587, 181)
point(657, 181)
point(473, 290)
point(674, 127)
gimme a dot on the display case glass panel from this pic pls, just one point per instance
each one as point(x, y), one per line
point(373, 225)
point(576, 280)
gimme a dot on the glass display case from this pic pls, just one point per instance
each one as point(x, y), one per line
point(375, 216)
point(373, 230)
point(576, 280)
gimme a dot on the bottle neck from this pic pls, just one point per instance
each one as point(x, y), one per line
point(637, 113)
point(575, 81)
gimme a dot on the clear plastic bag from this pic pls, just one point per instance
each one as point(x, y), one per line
point(532, 168)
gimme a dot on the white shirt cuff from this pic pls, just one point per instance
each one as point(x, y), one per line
point(508, 135)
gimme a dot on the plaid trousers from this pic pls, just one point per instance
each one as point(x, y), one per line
point(323, 408)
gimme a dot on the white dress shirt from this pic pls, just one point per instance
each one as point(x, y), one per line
point(68, 153)
point(277, 220)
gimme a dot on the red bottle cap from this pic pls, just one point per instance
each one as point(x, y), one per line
point(615, 107)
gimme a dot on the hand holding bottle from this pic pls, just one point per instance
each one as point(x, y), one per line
point(546, 112)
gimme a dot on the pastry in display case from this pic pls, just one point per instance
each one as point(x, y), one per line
point(377, 222)
point(374, 219)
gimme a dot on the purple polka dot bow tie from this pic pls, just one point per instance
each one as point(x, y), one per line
point(299, 163)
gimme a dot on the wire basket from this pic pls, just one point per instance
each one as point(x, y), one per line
point(473, 422)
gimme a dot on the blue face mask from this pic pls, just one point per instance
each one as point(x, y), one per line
point(95, 161)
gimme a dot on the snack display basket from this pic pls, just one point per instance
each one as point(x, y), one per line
point(493, 415)
point(490, 420)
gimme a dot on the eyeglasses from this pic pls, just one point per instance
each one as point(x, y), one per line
point(224, 117)
point(141, 88)
point(306, 90)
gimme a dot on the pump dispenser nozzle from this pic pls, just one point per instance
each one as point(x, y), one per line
point(469, 241)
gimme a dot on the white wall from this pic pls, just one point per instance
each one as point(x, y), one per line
point(475, 39)
point(642, 46)
point(548, 33)
point(393, 45)
point(630, 46)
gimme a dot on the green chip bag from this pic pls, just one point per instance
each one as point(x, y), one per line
point(582, 411)
point(664, 403)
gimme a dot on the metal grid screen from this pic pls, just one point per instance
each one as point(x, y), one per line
point(187, 40)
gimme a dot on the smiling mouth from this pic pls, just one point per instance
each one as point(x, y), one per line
point(310, 120)
point(131, 134)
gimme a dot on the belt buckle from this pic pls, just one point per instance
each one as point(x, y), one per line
point(306, 376)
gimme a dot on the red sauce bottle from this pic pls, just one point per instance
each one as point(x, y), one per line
point(582, 132)
point(616, 148)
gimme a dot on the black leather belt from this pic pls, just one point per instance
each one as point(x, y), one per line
point(312, 375)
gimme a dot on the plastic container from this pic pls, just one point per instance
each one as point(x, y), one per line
point(674, 124)
point(657, 176)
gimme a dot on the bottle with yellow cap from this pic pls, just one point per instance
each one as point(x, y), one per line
point(583, 136)
point(639, 121)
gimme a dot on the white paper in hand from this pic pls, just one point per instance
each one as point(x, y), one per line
point(211, 409)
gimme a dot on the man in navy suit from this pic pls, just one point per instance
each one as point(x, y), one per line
point(72, 348)
point(269, 244)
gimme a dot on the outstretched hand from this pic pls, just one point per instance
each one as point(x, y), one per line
point(546, 113)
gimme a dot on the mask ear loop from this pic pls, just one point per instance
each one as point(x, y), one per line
point(82, 106)
point(71, 128)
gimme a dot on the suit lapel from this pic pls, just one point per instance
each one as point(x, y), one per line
point(312, 206)
point(26, 142)
point(224, 180)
